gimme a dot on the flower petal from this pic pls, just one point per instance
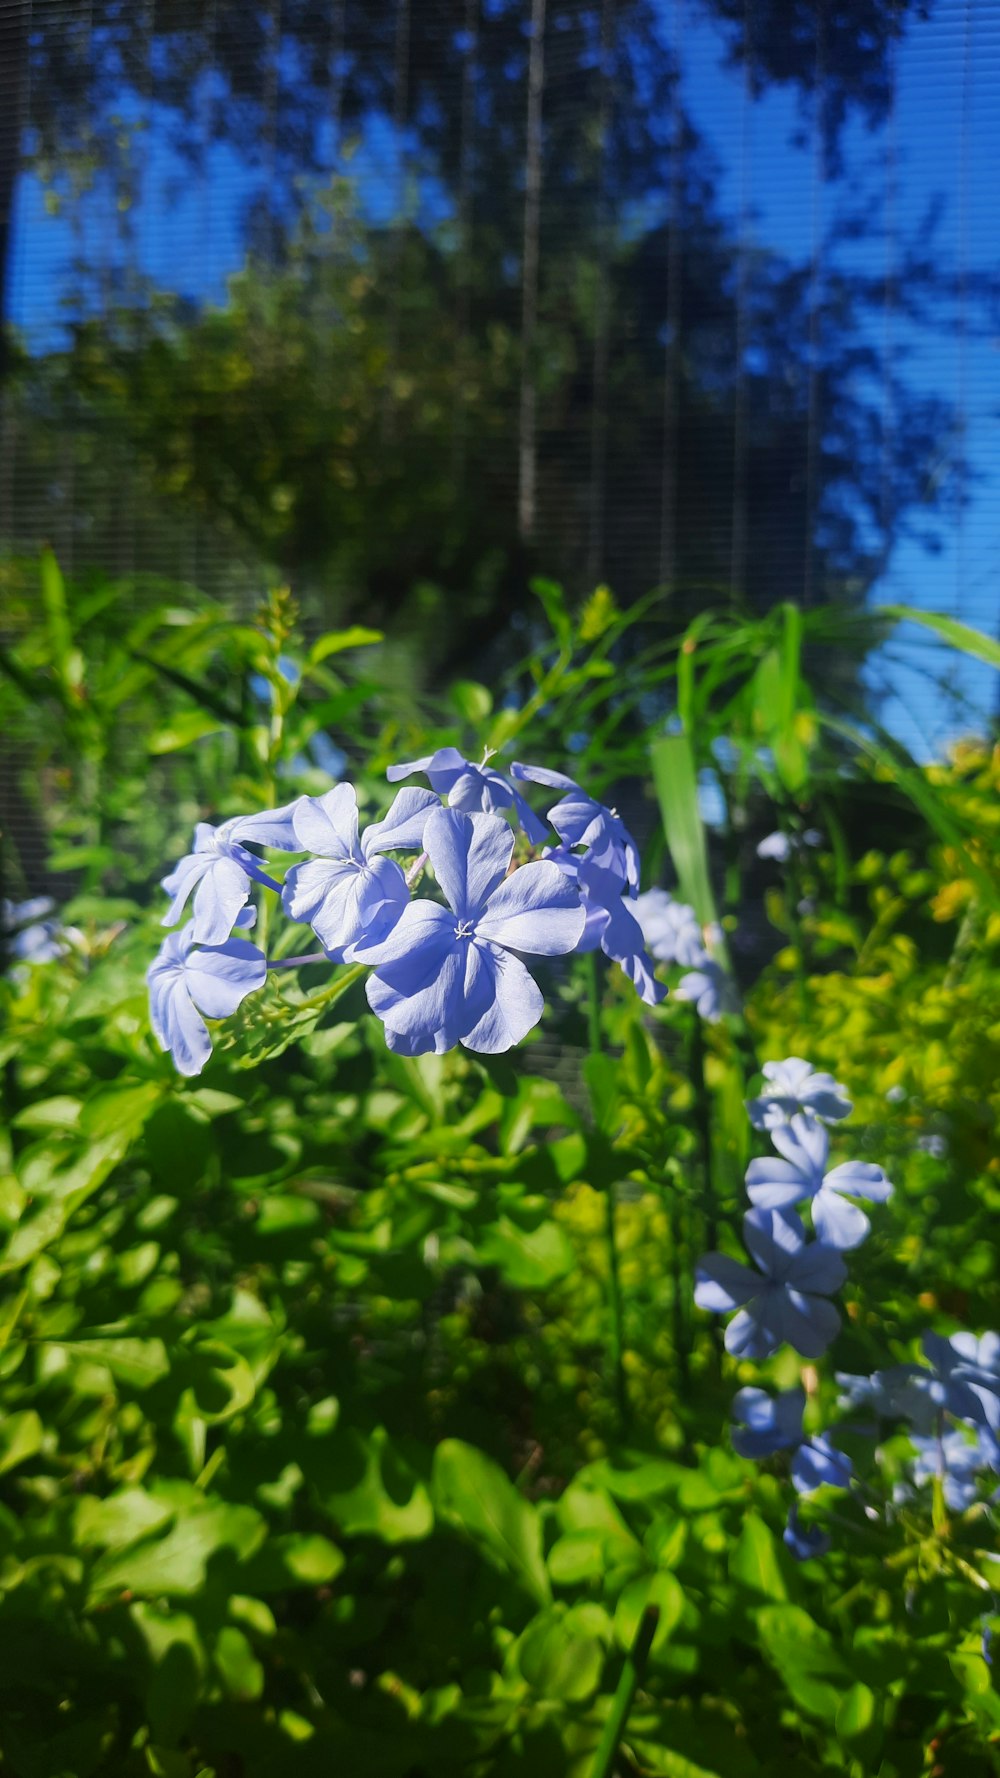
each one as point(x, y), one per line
point(817, 1267)
point(774, 1239)
point(317, 892)
point(187, 1036)
point(722, 1284)
point(537, 909)
point(517, 1005)
point(809, 1324)
point(402, 827)
point(222, 892)
point(273, 827)
point(838, 1223)
point(749, 1334)
point(470, 855)
point(862, 1179)
point(329, 824)
point(220, 978)
point(182, 881)
point(777, 1185)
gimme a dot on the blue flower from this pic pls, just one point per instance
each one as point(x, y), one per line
point(710, 989)
point(220, 871)
point(351, 894)
point(785, 1301)
point(775, 845)
point(610, 923)
point(471, 788)
point(770, 1422)
point(29, 937)
point(774, 1423)
point(671, 929)
point(185, 983)
point(443, 978)
point(581, 821)
point(959, 1460)
point(968, 1372)
point(804, 1541)
point(781, 1184)
point(795, 1086)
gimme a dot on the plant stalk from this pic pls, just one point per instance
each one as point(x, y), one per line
point(628, 1684)
point(616, 1334)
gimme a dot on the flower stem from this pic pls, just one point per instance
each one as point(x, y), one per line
point(628, 1684)
point(292, 962)
point(703, 1123)
point(616, 1336)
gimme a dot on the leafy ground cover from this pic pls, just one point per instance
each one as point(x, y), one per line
point(358, 1410)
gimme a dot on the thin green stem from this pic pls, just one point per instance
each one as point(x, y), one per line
point(616, 1333)
point(703, 1125)
point(628, 1684)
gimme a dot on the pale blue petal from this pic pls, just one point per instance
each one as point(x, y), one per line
point(394, 773)
point(516, 1008)
point(805, 1541)
point(417, 943)
point(187, 1036)
point(806, 1143)
point(838, 1223)
point(749, 1334)
point(328, 824)
point(182, 880)
point(220, 895)
point(809, 1324)
point(819, 1464)
point(775, 1239)
point(776, 1185)
point(862, 1179)
point(220, 978)
point(317, 892)
point(542, 775)
point(470, 855)
point(722, 1284)
point(818, 1267)
point(537, 909)
point(402, 827)
point(273, 827)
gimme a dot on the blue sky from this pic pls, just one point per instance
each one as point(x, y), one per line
point(944, 140)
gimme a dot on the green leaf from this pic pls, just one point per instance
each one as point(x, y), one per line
point(676, 782)
point(472, 701)
point(294, 1559)
point(959, 635)
point(855, 1712)
point(336, 641)
point(21, 1437)
point(220, 1382)
point(238, 1668)
point(174, 1565)
point(558, 1658)
point(121, 1519)
point(471, 1491)
point(664, 1591)
point(183, 729)
point(136, 1363)
point(805, 1657)
point(66, 658)
point(368, 1486)
point(753, 1561)
point(527, 1259)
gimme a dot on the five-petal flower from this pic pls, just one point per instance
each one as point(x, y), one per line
point(780, 1184)
point(350, 893)
point(785, 1299)
point(796, 1086)
point(447, 975)
point(220, 870)
point(475, 789)
point(580, 820)
point(671, 929)
point(185, 984)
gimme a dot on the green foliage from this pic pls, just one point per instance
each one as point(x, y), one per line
point(312, 1455)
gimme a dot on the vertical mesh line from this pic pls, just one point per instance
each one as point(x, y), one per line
point(527, 440)
point(602, 316)
point(816, 269)
point(962, 294)
point(466, 166)
point(671, 368)
point(889, 301)
point(738, 565)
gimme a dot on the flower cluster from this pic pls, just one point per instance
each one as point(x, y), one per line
point(442, 972)
point(674, 935)
point(949, 1405)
